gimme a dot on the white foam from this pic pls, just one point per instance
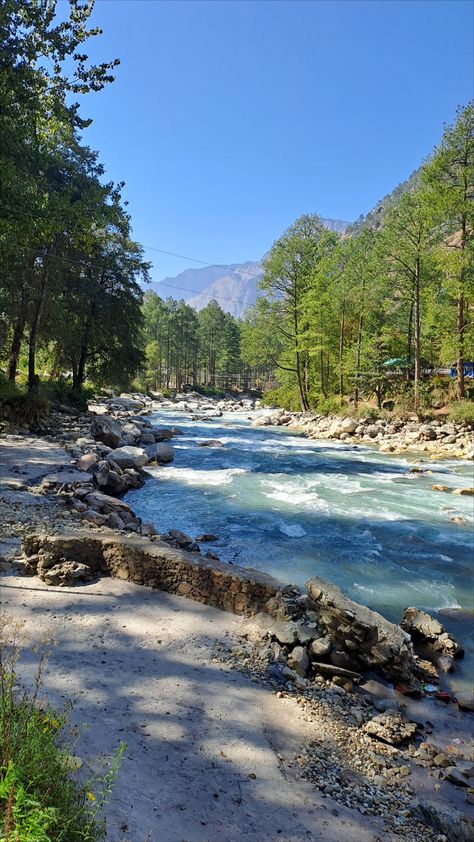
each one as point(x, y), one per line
point(199, 478)
point(293, 530)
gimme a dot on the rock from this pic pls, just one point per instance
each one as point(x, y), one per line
point(163, 433)
point(102, 473)
point(263, 625)
point(419, 624)
point(349, 425)
point(88, 462)
point(298, 660)
point(66, 573)
point(206, 536)
point(455, 776)
point(115, 484)
point(148, 529)
point(372, 431)
point(115, 521)
point(129, 457)
point(390, 727)
point(464, 492)
point(179, 539)
point(94, 517)
point(378, 643)
point(452, 824)
point(340, 658)
point(330, 669)
point(465, 700)
point(106, 430)
point(262, 421)
point(439, 487)
point(210, 443)
point(104, 503)
point(161, 453)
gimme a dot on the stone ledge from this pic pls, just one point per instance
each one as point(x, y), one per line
point(157, 565)
point(354, 637)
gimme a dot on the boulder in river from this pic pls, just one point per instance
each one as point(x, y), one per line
point(421, 626)
point(129, 457)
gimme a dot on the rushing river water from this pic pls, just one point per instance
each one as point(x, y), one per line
point(296, 507)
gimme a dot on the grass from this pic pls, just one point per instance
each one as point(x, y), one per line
point(462, 412)
point(41, 796)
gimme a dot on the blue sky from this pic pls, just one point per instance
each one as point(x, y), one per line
point(227, 120)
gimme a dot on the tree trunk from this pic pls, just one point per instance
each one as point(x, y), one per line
point(32, 377)
point(341, 350)
point(14, 355)
point(409, 342)
point(417, 334)
point(358, 353)
point(460, 326)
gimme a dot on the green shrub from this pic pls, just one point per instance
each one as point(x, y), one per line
point(39, 799)
point(462, 412)
point(61, 391)
point(209, 391)
point(329, 406)
point(8, 389)
point(285, 397)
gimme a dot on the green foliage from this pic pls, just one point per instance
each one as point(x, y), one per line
point(462, 412)
point(40, 800)
point(283, 396)
point(329, 406)
point(62, 391)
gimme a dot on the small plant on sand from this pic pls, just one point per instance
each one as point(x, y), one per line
point(39, 799)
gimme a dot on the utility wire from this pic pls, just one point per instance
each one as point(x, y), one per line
point(150, 248)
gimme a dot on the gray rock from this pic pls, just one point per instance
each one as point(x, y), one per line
point(129, 457)
point(298, 660)
point(379, 644)
point(88, 462)
point(66, 573)
point(465, 700)
point(390, 727)
point(161, 453)
point(163, 434)
point(444, 820)
point(106, 430)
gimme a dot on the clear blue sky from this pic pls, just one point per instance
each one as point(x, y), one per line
point(227, 120)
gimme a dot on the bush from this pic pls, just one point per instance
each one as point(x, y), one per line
point(329, 406)
point(39, 800)
point(8, 389)
point(462, 412)
point(285, 397)
point(209, 391)
point(61, 391)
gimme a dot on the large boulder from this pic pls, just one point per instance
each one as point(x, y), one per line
point(129, 457)
point(370, 640)
point(106, 430)
point(161, 453)
point(422, 627)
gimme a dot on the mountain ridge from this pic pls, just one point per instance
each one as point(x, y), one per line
point(234, 285)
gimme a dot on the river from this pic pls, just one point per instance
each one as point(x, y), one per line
point(296, 507)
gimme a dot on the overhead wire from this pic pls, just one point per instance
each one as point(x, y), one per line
point(150, 248)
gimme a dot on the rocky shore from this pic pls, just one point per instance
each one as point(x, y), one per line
point(438, 438)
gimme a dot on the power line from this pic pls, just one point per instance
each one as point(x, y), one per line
point(150, 248)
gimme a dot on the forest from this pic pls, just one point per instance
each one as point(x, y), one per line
point(382, 310)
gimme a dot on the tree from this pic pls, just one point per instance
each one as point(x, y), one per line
point(449, 180)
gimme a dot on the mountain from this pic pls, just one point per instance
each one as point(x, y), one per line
point(234, 286)
point(375, 217)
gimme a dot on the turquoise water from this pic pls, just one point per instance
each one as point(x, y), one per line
point(296, 508)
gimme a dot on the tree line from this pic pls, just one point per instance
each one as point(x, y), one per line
point(343, 315)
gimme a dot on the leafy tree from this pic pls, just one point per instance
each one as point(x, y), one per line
point(449, 179)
